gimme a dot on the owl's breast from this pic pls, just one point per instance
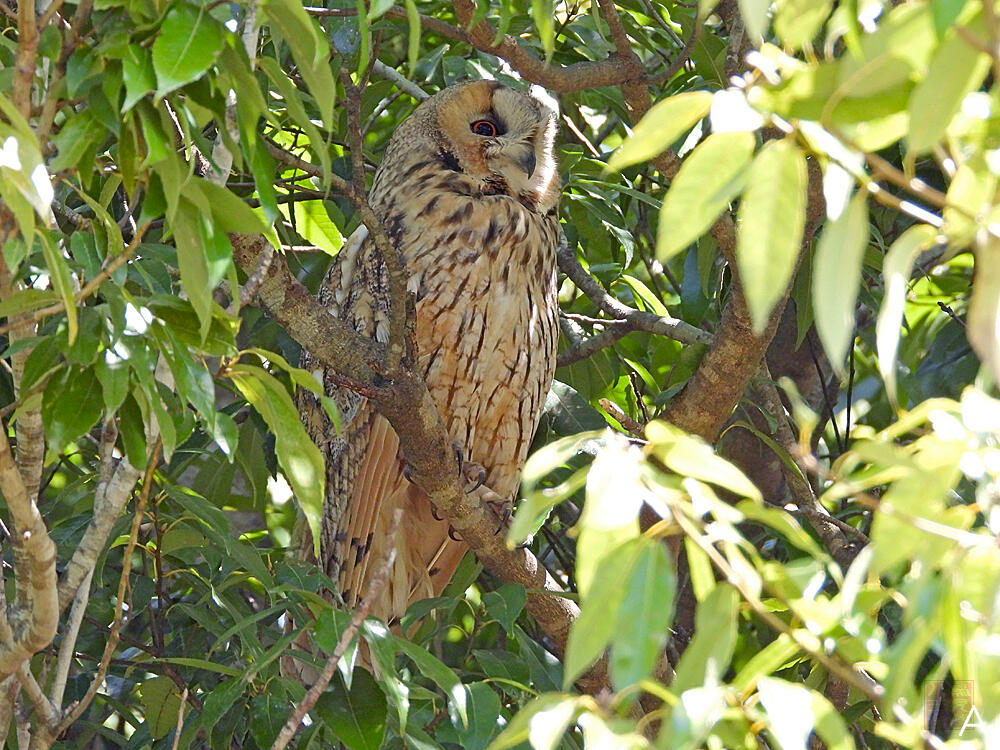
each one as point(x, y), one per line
point(486, 322)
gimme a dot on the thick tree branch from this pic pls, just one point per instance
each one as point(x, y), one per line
point(613, 71)
point(33, 623)
point(27, 52)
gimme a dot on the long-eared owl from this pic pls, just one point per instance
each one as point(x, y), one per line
point(468, 191)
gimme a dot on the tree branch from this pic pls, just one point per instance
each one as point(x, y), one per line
point(24, 62)
point(375, 586)
point(34, 570)
point(634, 320)
point(613, 71)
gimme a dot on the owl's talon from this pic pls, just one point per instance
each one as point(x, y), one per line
point(504, 509)
point(435, 514)
point(408, 473)
point(453, 536)
point(478, 479)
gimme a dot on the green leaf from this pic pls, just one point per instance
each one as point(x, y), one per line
point(771, 219)
point(330, 626)
point(267, 715)
point(506, 604)
point(754, 14)
point(161, 704)
point(27, 300)
point(203, 255)
point(945, 13)
point(896, 270)
point(114, 233)
point(221, 699)
point(299, 458)
point(113, 374)
point(314, 224)
point(984, 308)
point(644, 615)
point(357, 716)
point(310, 49)
point(711, 176)
point(81, 132)
point(690, 456)
point(837, 276)
point(537, 502)
point(413, 38)
point(714, 640)
point(188, 43)
point(138, 73)
point(767, 661)
point(663, 124)
point(794, 711)
point(484, 716)
point(229, 212)
point(432, 667)
point(797, 22)
point(296, 109)
point(71, 405)
point(615, 494)
point(211, 666)
point(594, 629)
point(956, 69)
point(63, 283)
point(543, 722)
point(543, 13)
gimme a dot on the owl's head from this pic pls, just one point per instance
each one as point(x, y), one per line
point(500, 138)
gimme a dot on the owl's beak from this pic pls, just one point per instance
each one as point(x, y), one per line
point(527, 163)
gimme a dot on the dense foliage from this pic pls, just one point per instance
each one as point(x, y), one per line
point(819, 559)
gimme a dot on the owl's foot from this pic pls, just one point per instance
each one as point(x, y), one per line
point(470, 471)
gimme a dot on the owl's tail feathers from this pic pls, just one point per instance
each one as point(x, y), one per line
point(426, 558)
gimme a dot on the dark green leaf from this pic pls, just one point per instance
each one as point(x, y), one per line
point(267, 715)
point(358, 716)
point(188, 43)
point(506, 604)
point(161, 703)
point(71, 405)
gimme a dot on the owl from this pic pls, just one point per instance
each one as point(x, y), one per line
point(468, 192)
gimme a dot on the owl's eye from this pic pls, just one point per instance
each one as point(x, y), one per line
point(484, 128)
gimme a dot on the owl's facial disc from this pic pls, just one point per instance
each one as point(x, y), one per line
point(505, 139)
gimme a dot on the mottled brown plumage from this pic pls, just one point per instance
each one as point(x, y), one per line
point(475, 218)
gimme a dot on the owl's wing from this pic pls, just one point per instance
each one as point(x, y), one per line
point(353, 291)
point(364, 473)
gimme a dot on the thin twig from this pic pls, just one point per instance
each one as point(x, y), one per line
point(635, 429)
point(68, 645)
point(180, 720)
point(372, 592)
point(662, 325)
point(92, 286)
point(76, 710)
